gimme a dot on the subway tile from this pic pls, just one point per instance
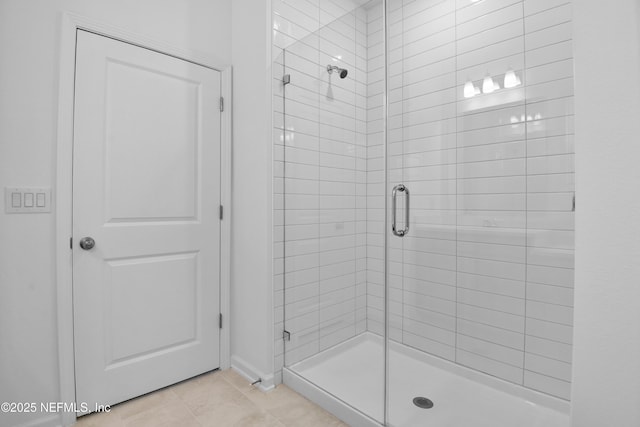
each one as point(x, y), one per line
point(428, 331)
point(551, 275)
point(550, 202)
point(550, 257)
point(491, 301)
point(548, 348)
point(487, 202)
point(410, 8)
point(435, 187)
point(494, 252)
point(505, 31)
point(425, 244)
point(551, 164)
point(536, 6)
point(423, 40)
point(547, 18)
point(499, 117)
point(558, 51)
point(429, 346)
point(434, 318)
point(434, 69)
point(549, 36)
point(550, 294)
point(552, 239)
point(300, 262)
point(502, 185)
point(492, 232)
point(491, 334)
point(491, 178)
point(560, 88)
point(494, 285)
point(428, 259)
point(550, 146)
point(545, 384)
point(550, 312)
point(438, 305)
point(490, 20)
point(301, 293)
point(472, 10)
point(490, 53)
point(494, 225)
point(429, 28)
point(493, 168)
point(430, 85)
point(505, 133)
point(494, 318)
point(298, 155)
point(496, 352)
point(427, 13)
point(300, 217)
point(550, 331)
point(550, 72)
point(553, 176)
point(489, 366)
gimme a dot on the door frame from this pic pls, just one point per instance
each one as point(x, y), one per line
point(71, 23)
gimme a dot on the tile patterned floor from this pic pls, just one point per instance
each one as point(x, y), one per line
point(217, 399)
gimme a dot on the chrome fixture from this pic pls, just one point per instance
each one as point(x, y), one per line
point(394, 195)
point(342, 71)
point(87, 243)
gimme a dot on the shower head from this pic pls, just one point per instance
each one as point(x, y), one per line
point(342, 71)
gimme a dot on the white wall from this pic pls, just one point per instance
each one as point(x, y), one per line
point(606, 373)
point(29, 55)
point(251, 294)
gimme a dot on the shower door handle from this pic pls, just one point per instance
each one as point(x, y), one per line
point(394, 196)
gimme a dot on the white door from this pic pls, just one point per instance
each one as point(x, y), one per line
point(146, 189)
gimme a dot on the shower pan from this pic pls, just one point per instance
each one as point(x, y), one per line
point(424, 211)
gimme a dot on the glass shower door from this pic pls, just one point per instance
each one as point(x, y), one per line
point(332, 245)
point(480, 268)
point(422, 200)
point(424, 208)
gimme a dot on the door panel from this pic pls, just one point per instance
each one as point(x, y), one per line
point(146, 187)
point(132, 330)
point(159, 178)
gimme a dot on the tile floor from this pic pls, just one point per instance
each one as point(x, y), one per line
point(220, 398)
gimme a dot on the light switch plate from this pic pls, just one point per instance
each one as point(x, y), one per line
point(27, 200)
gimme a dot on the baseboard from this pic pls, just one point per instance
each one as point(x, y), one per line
point(267, 381)
point(49, 420)
point(277, 377)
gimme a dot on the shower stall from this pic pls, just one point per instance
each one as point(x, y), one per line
point(424, 200)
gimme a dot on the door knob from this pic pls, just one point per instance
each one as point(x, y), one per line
point(87, 243)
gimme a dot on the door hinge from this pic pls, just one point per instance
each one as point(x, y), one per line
point(70, 242)
point(286, 79)
point(220, 321)
point(221, 211)
point(573, 203)
point(286, 335)
point(221, 104)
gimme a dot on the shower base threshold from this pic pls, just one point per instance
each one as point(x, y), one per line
point(348, 380)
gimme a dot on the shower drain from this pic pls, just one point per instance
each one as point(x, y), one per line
point(422, 402)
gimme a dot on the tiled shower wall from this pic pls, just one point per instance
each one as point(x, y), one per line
point(485, 276)
point(320, 176)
